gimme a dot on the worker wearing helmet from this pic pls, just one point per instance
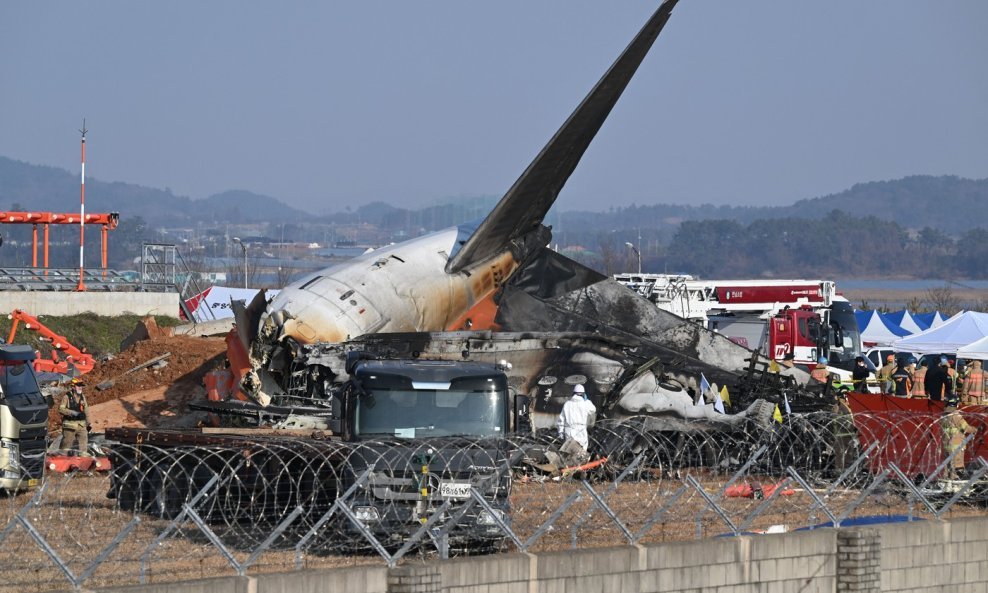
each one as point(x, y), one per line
point(902, 380)
point(973, 388)
point(919, 377)
point(860, 374)
point(578, 412)
point(75, 425)
point(955, 430)
point(820, 372)
point(885, 374)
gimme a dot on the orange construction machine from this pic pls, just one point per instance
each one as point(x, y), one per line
point(64, 356)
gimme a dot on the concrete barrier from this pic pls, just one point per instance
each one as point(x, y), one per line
point(101, 303)
point(902, 557)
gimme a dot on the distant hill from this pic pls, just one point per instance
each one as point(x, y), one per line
point(950, 204)
point(37, 187)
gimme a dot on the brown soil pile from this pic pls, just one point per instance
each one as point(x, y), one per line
point(151, 395)
point(190, 358)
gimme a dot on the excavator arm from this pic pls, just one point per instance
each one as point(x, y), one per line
point(70, 355)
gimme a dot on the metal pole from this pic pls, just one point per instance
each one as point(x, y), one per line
point(637, 253)
point(81, 287)
point(244, 247)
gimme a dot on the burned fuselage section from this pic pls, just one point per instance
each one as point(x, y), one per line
point(624, 378)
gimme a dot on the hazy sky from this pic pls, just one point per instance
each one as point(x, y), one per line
point(329, 103)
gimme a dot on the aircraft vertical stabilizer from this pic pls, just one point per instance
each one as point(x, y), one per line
point(525, 205)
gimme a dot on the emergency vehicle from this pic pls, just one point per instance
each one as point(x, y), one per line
point(807, 318)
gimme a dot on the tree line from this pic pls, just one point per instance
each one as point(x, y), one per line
point(837, 245)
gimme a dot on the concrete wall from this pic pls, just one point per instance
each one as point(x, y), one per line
point(905, 557)
point(931, 555)
point(102, 303)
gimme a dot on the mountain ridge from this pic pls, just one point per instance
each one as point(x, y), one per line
point(914, 202)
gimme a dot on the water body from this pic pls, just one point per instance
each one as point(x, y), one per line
point(911, 285)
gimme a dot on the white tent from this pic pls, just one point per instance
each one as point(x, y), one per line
point(975, 351)
point(877, 330)
point(215, 301)
point(928, 320)
point(905, 320)
point(958, 331)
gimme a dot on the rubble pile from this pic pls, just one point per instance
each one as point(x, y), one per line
point(190, 358)
point(152, 395)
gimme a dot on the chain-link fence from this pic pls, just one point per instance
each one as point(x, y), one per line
point(171, 511)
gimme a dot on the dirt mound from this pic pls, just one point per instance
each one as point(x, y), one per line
point(150, 396)
point(190, 358)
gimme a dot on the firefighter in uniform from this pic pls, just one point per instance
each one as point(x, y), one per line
point(973, 389)
point(901, 381)
point(955, 430)
point(820, 372)
point(844, 433)
point(74, 422)
point(885, 374)
point(953, 375)
point(919, 375)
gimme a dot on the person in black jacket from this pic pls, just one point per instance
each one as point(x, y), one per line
point(859, 376)
point(902, 381)
point(937, 382)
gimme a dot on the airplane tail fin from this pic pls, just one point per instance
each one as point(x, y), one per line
point(525, 205)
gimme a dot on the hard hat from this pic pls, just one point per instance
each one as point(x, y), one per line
point(578, 389)
point(77, 381)
point(911, 360)
point(822, 360)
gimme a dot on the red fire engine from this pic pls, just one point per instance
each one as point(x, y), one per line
point(775, 317)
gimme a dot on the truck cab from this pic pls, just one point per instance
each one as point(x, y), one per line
point(23, 420)
point(422, 399)
point(430, 432)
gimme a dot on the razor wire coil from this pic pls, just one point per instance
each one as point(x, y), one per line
point(169, 512)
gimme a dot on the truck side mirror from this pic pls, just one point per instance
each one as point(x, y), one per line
point(522, 417)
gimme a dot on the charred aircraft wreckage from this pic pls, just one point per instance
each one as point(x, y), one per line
point(489, 294)
point(492, 291)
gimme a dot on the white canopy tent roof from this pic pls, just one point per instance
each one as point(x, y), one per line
point(905, 320)
point(958, 331)
point(878, 330)
point(928, 320)
point(974, 351)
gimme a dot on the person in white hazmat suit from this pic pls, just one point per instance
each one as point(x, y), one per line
point(578, 412)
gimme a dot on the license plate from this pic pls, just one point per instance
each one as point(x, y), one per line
point(454, 490)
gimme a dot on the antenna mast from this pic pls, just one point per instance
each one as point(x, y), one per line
point(81, 287)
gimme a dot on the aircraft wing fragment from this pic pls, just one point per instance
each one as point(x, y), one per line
point(525, 205)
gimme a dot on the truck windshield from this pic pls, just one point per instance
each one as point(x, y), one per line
point(411, 413)
point(17, 378)
point(845, 337)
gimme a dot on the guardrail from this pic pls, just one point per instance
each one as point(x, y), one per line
point(67, 279)
point(278, 504)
